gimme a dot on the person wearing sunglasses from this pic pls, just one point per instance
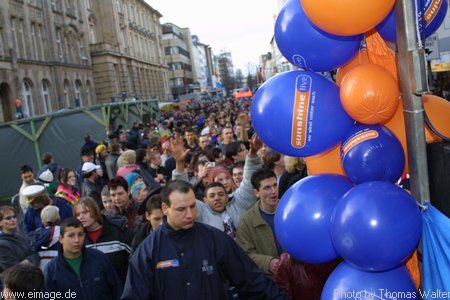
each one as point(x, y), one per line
point(14, 248)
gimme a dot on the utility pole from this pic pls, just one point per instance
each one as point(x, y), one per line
point(413, 83)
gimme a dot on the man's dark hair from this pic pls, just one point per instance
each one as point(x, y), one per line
point(117, 181)
point(154, 202)
point(175, 186)
point(25, 169)
point(189, 129)
point(232, 149)
point(69, 222)
point(24, 278)
point(47, 158)
point(238, 164)
point(260, 175)
point(140, 155)
point(214, 184)
point(271, 158)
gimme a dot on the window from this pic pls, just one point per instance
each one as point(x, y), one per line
point(54, 5)
point(119, 6)
point(78, 101)
point(83, 56)
point(92, 37)
point(66, 93)
point(88, 92)
point(40, 41)
point(46, 98)
point(22, 39)
point(59, 45)
point(35, 51)
point(27, 98)
point(14, 35)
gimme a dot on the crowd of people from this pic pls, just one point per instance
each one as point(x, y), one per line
point(179, 208)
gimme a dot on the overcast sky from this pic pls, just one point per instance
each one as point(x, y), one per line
point(242, 27)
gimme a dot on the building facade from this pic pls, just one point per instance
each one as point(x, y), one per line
point(201, 66)
point(44, 61)
point(177, 43)
point(126, 49)
point(58, 54)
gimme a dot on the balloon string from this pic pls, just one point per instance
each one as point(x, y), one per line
point(423, 206)
point(419, 20)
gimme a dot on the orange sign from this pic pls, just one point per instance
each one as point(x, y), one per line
point(357, 139)
point(301, 111)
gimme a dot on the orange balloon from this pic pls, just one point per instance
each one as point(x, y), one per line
point(326, 162)
point(347, 17)
point(397, 125)
point(359, 59)
point(438, 112)
point(369, 94)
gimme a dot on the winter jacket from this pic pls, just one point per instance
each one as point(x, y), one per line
point(45, 242)
point(195, 264)
point(140, 235)
point(98, 280)
point(70, 194)
point(113, 242)
point(256, 238)
point(13, 249)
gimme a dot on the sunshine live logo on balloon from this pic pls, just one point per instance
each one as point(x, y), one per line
point(432, 7)
point(301, 111)
point(357, 139)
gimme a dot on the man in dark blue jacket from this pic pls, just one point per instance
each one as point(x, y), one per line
point(184, 259)
point(79, 272)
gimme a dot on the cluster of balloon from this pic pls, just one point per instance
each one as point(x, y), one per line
point(356, 212)
point(303, 217)
point(431, 14)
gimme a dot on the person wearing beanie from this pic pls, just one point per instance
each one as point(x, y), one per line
point(139, 191)
point(44, 240)
point(102, 152)
point(49, 182)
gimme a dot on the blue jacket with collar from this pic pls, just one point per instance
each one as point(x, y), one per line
point(197, 263)
point(98, 280)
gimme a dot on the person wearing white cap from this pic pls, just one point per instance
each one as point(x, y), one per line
point(38, 198)
point(92, 186)
point(44, 240)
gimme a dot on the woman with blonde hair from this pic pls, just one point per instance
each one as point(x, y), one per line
point(295, 169)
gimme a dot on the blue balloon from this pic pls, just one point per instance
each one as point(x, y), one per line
point(347, 282)
point(372, 152)
point(434, 16)
point(376, 226)
point(308, 47)
point(299, 113)
point(303, 217)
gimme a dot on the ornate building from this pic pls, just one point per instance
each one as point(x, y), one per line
point(126, 50)
point(44, 59)
point(57, 54)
